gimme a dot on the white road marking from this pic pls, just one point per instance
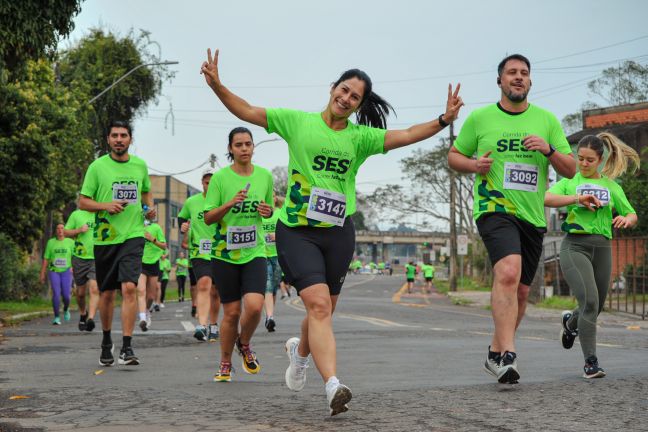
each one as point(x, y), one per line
point(187, 325)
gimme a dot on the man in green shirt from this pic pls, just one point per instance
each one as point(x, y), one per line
point(147, 285)
point(514, 143)
point(116, 188)
point(182, 268)
point(80, 227)
point(165, 269)
point(410, 274)
point(199, 239)
point(428, 274)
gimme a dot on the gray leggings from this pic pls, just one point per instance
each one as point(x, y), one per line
point(586, 263)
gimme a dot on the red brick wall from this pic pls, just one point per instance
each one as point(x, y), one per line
point(627, 251)
point(602, 120)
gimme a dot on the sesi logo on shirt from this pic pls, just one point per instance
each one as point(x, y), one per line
point(332, 164)
point(245, 207)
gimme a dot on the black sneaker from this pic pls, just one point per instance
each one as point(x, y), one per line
point(156, 308)
point(270, 324)
point(567, 336)
point(82, 323)
point(200, 333)
point(193, 311)
point(90, 325)
point(592, 369)
point(107, 358)
point(127, 357)
point(508, 373)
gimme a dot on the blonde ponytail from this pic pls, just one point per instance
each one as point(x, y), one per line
point(619, 154)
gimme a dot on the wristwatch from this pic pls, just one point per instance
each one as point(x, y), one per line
point(552, 150)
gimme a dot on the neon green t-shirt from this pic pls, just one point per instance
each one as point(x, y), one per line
point(239, 235)
point(516, 182)
point(579, 219)
point(372, 265)
point(165, 268)
point(108, 180)
point(321, 158)
point(152, 253)
point(269, 228)
point(428, 270)
point(58, 254)
point(201, 236)
point(83, 242)
point(381, 266)
point(410, 271)
point(182, 266)
point(357, 265)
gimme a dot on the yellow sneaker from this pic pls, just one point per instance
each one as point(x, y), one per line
point(224, 373)
point(251, 364)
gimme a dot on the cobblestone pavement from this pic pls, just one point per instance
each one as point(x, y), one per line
point(413, 362)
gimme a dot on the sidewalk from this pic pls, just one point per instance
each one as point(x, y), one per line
point(481, 299)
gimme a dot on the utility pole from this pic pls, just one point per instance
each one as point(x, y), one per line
point(453, 226)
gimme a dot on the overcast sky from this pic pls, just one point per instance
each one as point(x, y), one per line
point(286, 54)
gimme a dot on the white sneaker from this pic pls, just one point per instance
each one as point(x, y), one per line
point(295, 374)
point(338, 398)
point(161, 305)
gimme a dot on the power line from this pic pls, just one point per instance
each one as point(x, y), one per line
point(434, 77)
point(591, 50)
point(181, 172)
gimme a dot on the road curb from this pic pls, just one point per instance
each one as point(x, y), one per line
point(27, 316)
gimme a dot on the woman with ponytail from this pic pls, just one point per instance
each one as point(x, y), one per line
point(591, 198)
point(315, 237)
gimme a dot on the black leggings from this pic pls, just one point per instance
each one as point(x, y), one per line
point(181, 283)
point(163, 285)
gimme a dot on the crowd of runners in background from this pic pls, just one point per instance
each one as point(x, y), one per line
point(245, 245)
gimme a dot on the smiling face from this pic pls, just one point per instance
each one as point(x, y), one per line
point(515, 80)
point(119, 140)
point(242, 147)
point(588, 162)
point(346, 98)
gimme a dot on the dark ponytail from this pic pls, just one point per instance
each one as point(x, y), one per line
point(373, 110)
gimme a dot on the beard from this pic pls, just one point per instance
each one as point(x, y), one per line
point(516, 97)
point(120, 152)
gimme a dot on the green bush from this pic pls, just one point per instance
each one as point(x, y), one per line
point(19, 280)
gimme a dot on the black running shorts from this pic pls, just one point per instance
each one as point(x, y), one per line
point(118, 263)
point(202, 267)
point(310, 256)
point(151, 270)
point(83, 270)
point(235, 280)
point(504, 234)
point(192, 277)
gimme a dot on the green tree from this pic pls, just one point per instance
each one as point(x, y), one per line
point(43, 150)
point(31, 29)
point(627, 83)
point(427, 194)
point(98, 60)
point(634, 186)
point(280, 180)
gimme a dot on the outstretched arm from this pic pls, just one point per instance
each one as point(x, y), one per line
point(235, 104)
point(401, 138)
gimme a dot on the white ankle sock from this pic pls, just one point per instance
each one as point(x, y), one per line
point(332, 383)
point(142, 316)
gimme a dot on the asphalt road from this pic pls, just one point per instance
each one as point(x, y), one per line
point(414, 363)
